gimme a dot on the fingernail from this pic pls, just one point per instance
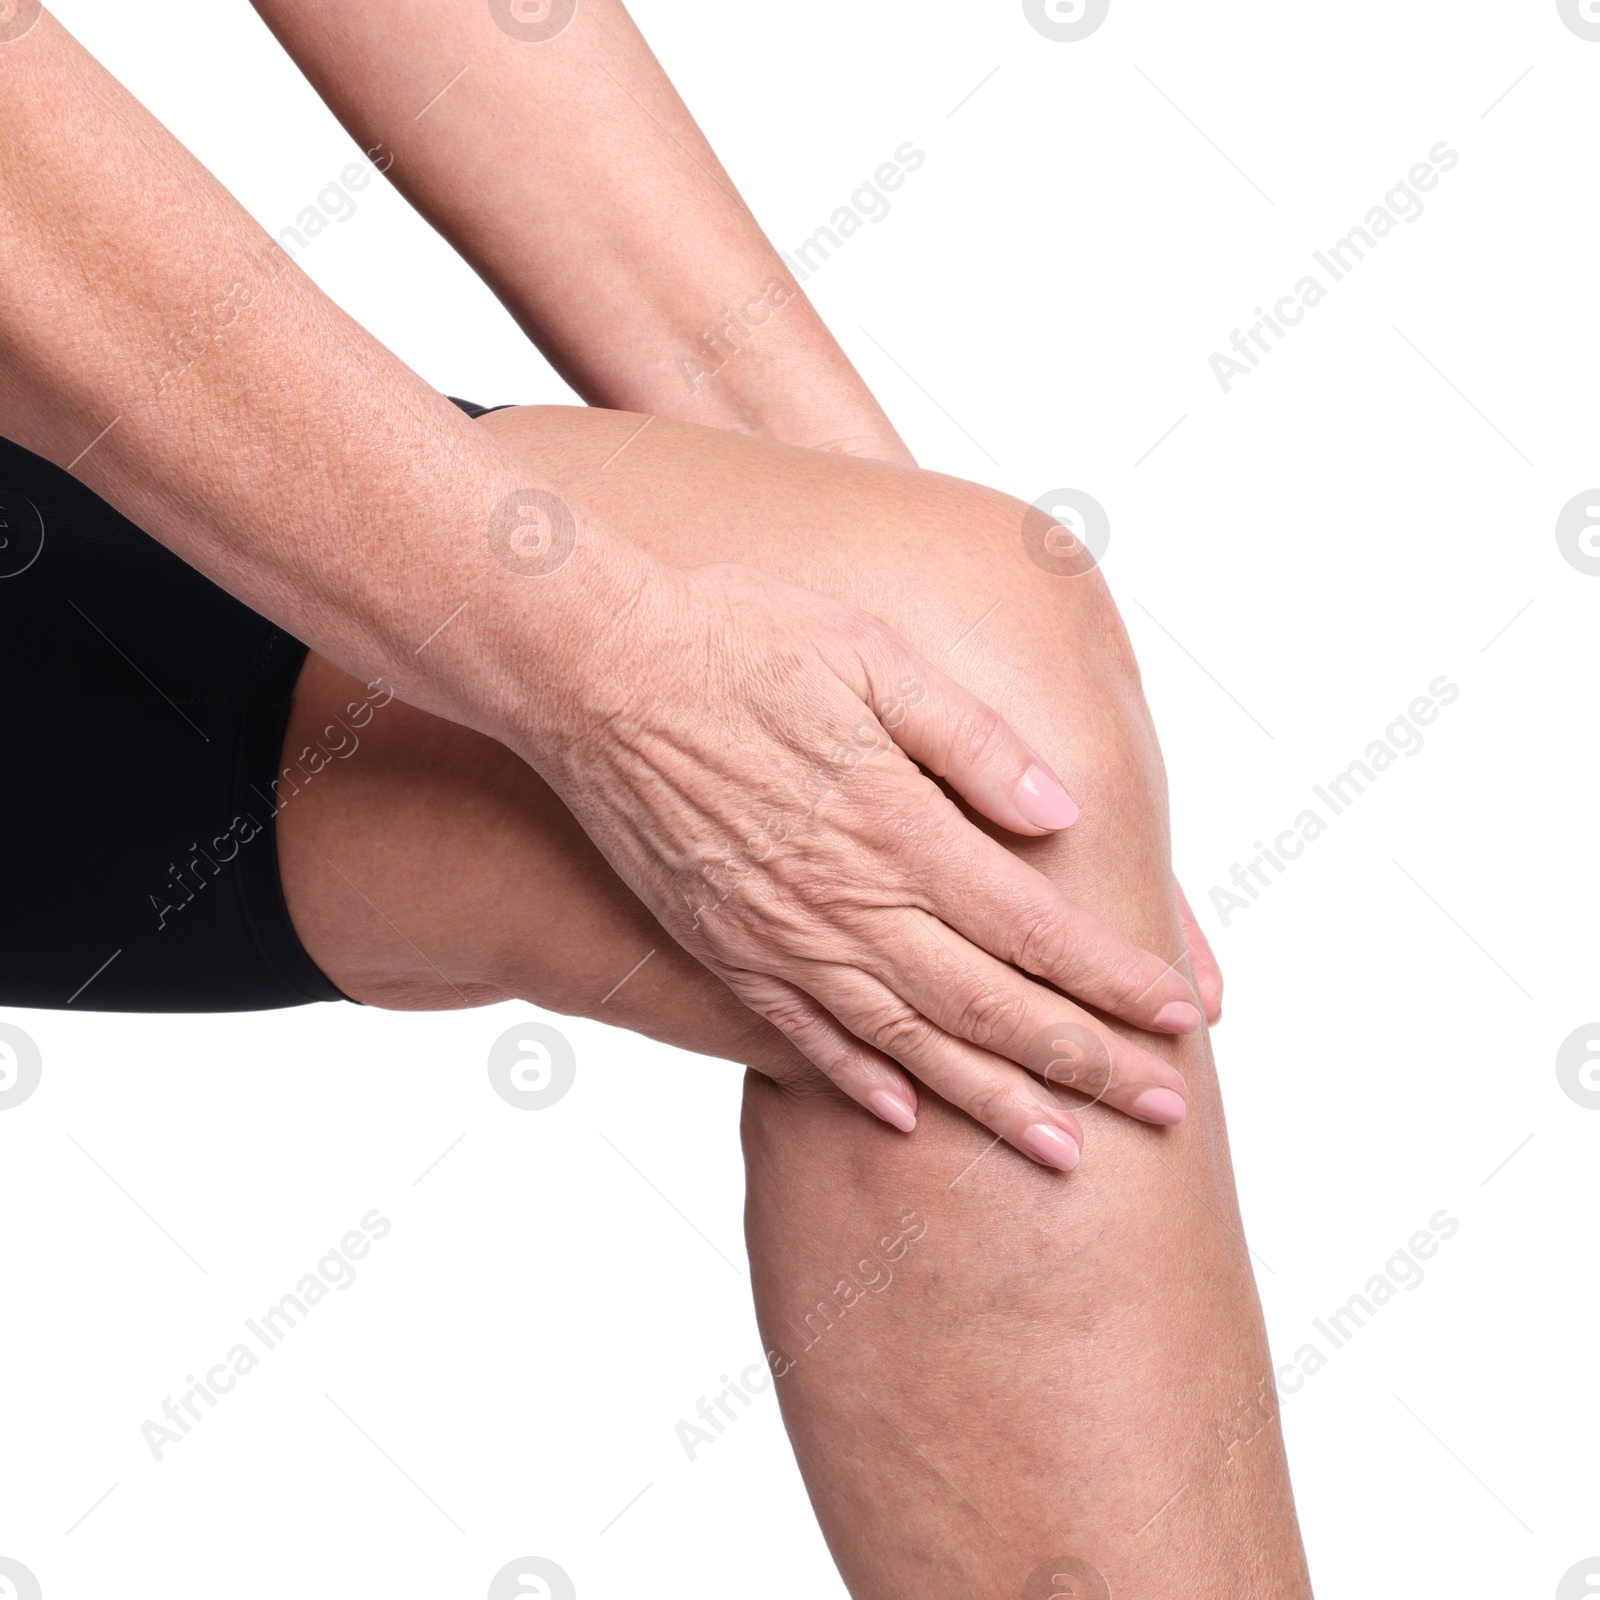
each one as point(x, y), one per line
point(1165, 1106)
point(1051, 1146)
point(1042, 801)
point(892, 1109)
point(1178, 1016)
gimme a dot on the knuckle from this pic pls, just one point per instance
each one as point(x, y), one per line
point(904, 817)
point(900, 697)
point(870, 641)
point(814, 890)
point(1045, 944)
point(898, 1034)
point(1079, 950)
point(989, 1017)
point(979, 734)
point(874, 635)
point(788, 1014)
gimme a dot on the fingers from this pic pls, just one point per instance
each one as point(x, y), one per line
point(1003, 905)
point(956, 736)
point(1202, 959)
point(993, 1092)
point(1000, 902)
point(964, 1010)
point(870, 1079)
point(965, 993)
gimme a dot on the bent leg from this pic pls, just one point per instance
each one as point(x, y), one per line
point(1032, 1367)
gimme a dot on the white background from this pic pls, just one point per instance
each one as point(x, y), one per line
point(1365, 512)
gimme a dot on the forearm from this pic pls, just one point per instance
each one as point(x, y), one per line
point(571, 176)
point(153, 339)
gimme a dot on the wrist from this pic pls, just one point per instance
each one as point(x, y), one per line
point(799, 389)
point(553, 616)
point(764, 365)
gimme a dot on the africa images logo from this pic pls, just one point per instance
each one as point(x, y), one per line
point(1066, 21)
point(17, 17)
point(21, 1066)
point(531, 1578)
point(533, 21)
point(21, 533)
point(15, 1579)
point(1578, 533)
point(532, 1066)
point(1582, 16)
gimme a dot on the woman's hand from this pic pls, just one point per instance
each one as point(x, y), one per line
point(746, 753)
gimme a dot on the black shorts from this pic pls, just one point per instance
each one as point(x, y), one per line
point(143, 715)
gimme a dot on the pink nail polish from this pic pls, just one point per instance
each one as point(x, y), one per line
point(1165, 1106)
point(1178, 1016)
point(1042, 801)
point(892, 1109)
point(1051, 1146)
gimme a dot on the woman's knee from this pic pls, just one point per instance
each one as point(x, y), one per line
point(1048, 650)
point(951, 566)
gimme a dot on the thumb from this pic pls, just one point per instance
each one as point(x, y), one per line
point(971, 746)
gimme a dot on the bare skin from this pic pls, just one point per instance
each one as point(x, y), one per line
point(571, 176)
point(154, 342)
point(1053, 1366)
point(616, 237)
